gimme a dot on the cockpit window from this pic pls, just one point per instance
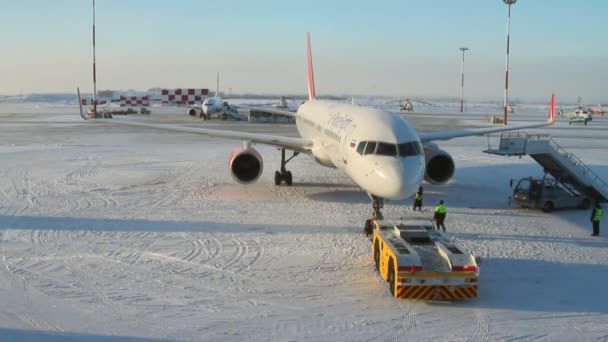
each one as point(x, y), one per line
point(413, 148)
point(370, 147)
point(361, 147)
point(386, 149)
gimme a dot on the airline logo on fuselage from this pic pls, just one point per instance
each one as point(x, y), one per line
point(339, 123)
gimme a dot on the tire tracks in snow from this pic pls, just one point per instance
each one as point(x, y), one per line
point(19, 285)
point(482, 329)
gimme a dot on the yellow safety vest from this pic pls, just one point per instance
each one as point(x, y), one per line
point(418, 196)
point(598, 214)
point(440, 209)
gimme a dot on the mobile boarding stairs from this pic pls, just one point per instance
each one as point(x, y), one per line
point(563, 166)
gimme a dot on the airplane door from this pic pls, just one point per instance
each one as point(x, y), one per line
point(347, 142)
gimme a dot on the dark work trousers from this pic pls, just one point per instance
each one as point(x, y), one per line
point(596, 227)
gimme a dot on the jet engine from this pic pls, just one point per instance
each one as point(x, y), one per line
point(194, 111)
point(245, 165)
point(439, 164)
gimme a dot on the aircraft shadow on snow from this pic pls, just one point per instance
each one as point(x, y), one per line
point(139, 225)
point(34, 335)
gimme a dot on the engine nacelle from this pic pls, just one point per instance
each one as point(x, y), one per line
point(440, 166)
point(194, 111)
point(245, 165)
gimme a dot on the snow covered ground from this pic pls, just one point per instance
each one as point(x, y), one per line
point(112, 233)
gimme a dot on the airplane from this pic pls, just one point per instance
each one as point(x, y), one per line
point(580, 115)
point(596, 110)
point(408, 104)
point(282, 104)
point(216, 106)
point(377, 149)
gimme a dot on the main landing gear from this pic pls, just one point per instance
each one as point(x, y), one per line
point(377, 204)
point(283, 175)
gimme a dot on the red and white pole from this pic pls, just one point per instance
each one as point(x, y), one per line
point(506, 103)
point(94, 69)
point(463, 49)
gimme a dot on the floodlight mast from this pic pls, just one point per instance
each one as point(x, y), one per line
point(463, 49)
point(506, 102)
point(94, 69)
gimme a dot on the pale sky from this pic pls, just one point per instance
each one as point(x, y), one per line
point(393, 48)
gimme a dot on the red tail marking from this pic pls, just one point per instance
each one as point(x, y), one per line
point(552, 109)
point(311, 78)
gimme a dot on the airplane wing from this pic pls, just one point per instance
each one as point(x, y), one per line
point(402, 100)
point(272, 111)
point(294, 144)
point(423, 102)
point(447, 135)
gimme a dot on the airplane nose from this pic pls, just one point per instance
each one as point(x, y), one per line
point(400, 179)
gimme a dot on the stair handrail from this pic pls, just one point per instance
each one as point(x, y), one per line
point(596, 181)
point(595, 178)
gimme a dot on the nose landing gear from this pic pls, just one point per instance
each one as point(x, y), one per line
point(377, 204)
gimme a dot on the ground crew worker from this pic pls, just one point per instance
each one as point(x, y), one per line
point(418, 199)
point(439, 216)
point(596, 216)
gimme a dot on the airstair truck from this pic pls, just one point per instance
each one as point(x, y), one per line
point(420, 262)
point(547, 194)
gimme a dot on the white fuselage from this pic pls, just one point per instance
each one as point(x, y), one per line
point(212, 105)
point(579, 114)
point(337, 130)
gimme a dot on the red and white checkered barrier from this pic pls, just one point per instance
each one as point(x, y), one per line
point(134, 101)
point(89, 102)
point(183, 96)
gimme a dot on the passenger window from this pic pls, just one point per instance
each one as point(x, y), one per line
point(385, 149)
point(361, 147)
point(370, 148)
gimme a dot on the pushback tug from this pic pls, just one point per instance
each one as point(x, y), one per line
point(420, 262)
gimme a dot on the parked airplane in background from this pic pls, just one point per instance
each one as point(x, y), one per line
point(216, 106)
point(596, 110)
point(408, 105)
point(280, 104)
point(581, 115)
point(377, 149)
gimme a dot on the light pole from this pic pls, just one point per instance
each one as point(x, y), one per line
point(508, 2)
point(463, 49)
point(94, 69)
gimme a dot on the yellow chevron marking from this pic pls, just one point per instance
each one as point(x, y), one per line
point(436, 292)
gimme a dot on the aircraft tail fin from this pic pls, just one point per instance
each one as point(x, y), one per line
point(217, 85)
point(552, 109)
point(311, 78)
point(82, 114)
